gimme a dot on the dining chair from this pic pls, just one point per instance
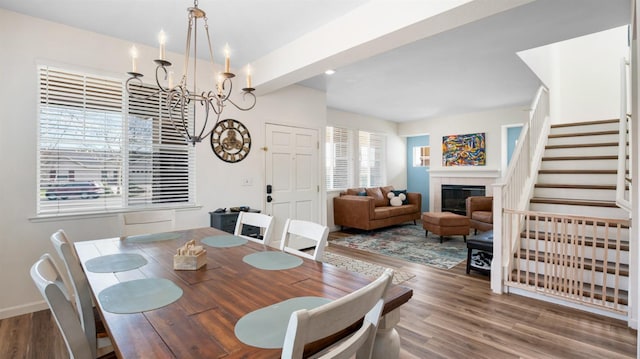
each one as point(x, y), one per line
point(47, 278)
point(261, 220)
point(308, 325)
point(81, 294)
point(144, 222)
point(295, 228)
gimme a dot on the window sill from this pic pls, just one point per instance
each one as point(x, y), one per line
point(76, 216)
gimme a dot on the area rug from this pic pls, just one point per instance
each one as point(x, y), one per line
point(370, 270)
point(409, 243)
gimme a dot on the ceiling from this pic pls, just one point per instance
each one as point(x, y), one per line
point(469, 68)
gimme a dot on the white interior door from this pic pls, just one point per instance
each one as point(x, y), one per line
point(292, 169)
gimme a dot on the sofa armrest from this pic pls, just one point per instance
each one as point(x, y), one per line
point(415, 198)
point(350, 210)
point(478, 203)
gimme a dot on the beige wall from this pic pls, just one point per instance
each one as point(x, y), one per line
point(27, 42)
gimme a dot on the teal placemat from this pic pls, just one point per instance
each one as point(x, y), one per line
point(153, 237)
point(266, 327)
point(272, 260)
point(224, 241)
point(139, 295)
point(115, 263)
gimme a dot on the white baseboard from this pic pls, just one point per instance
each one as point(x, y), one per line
point(585, 308)
point(23, 309)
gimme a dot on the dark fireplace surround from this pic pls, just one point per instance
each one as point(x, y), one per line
point(453, 197)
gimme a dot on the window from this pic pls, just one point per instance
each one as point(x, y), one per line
point(112, 151)
point(343, 169)
point(339, 158)
point(421, 156)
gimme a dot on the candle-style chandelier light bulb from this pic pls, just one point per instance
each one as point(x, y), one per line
point(180, 95)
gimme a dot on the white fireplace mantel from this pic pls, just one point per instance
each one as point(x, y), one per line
point(459, 176)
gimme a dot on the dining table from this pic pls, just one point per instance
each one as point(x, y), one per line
point(236, 305)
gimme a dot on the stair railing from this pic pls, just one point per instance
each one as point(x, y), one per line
point(624, 155)
point(516, 187)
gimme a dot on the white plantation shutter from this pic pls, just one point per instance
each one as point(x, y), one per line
point(343, 169)
point(372, 159)
point(87, 137)
point(339, 158)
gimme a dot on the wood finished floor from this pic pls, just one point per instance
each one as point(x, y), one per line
point(451, 315)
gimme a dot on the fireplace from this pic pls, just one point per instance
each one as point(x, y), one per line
point(453, 197)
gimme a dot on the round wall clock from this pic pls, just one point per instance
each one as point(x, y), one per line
point(230, 140)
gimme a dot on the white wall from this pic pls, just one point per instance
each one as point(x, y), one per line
point(28, 41)
point(583, 75)
point(489, 122)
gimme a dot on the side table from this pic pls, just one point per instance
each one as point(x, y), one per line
point(483, 242)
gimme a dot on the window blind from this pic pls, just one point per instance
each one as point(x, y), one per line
point(95, 154)
point(339, 158)
point(372, 159)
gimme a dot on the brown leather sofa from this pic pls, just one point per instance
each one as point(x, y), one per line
point(369, 208)
point(480, 212)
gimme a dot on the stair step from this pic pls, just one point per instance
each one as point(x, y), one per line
point(587, 240)
point(580, 158)
point(582, 145)
point(569, 193)
point(585, 123)
point(580, 172)
point(582, 138)
point(587, 211)
point(575, 186)
point(577, 163)
point(568, 202)
point(583, 134)
point(588, 263)
point(623, 295)
point(587, 177)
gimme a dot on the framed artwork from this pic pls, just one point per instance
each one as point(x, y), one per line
point(464, 150)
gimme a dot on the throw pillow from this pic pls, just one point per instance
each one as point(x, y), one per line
point(363, 193)
point(385, 190)
point(378, 199)
point(403, 191)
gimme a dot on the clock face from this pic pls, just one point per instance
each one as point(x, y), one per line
point(230, 140)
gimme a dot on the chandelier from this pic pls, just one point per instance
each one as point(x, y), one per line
point(179, 96)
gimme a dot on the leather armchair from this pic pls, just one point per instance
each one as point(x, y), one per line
point(480, 213)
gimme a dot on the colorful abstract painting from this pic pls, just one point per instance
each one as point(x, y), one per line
point(464, 150)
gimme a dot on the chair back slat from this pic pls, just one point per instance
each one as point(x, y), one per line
point(305, 229)
point(261, 220)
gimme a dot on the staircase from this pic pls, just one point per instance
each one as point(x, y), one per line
point(574, 240)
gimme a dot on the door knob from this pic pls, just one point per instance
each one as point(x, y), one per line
point(269, 199)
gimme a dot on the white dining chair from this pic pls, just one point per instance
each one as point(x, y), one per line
point(144, 222)
point(81, 295)
point(263, 221)
point(308, 325)
point(298, 228)
point(48, 280)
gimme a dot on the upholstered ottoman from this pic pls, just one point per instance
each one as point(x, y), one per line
point(445, 224)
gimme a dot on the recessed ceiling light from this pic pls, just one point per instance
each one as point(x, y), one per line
point(330, 72)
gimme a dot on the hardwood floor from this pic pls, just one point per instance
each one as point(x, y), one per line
point(451, 315)
point(455, 315)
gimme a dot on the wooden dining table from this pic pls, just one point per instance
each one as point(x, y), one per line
point(200, 324)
